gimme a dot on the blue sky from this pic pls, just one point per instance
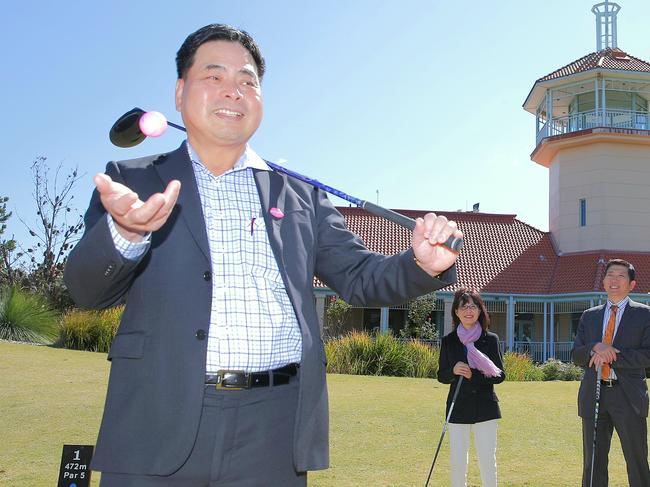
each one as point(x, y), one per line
point(419, 100)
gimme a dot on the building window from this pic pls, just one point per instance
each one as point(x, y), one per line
point(371, 319)
point(575, 321)
point(583, 212)
point(584, 102)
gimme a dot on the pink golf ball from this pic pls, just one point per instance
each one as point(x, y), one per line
point(153, 124)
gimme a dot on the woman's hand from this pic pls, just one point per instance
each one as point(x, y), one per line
point(461, 368)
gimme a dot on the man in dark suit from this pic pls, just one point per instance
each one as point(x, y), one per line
point(218, 366)
point(616, 338)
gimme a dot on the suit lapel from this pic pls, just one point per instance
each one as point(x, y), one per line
point(628, 317)
point(271, 188)
point(179, 166)
point(598, 325)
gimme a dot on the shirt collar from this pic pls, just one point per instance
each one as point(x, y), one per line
point(621, 304)
point(249, 159)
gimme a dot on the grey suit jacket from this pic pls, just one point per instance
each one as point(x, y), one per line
point(155, 389)
point(632, 339)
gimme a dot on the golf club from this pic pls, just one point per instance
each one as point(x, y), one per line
point(136, 124)
point(444, 428)
point(599, 376)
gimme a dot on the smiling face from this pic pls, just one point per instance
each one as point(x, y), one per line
point(617, 283)
point(220, 97)
point(468, 313)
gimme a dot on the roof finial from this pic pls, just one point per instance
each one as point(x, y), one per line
point(606, 24)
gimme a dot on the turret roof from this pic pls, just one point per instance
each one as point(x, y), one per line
point(610, 58)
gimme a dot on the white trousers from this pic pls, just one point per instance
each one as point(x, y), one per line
point(485, 443)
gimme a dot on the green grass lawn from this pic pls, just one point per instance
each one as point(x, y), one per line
point(384, 430)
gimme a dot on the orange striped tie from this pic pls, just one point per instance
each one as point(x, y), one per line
point(609, 337)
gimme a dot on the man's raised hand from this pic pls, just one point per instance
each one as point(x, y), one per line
point(427, 241)
point(134, 218)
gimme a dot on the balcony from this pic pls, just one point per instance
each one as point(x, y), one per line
point(620, 119)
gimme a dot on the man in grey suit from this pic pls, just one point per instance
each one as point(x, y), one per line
point(218, 366)
point(615, 337)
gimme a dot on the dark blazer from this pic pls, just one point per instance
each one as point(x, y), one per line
point(476, 399)
point(155, 389)
point(632, 339)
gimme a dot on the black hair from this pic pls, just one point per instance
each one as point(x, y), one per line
point(631, 271)
point(217, 32)
point(464, 296)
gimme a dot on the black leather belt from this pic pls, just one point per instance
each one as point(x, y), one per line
point(237, 379)
point(609, 382)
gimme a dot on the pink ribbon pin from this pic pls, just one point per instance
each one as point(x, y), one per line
point(276, 212)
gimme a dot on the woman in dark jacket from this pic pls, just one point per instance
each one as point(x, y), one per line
point(472, 352)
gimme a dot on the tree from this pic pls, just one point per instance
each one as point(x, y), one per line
point(419, 318)
point(8, 258)
point(56, 232)
point(335, 316)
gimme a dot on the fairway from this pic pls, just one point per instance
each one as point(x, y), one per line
point(384, 430)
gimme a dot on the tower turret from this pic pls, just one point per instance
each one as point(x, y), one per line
point(593, 133)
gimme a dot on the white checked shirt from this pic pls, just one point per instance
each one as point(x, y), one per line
point(619, 314)
point(253, 326)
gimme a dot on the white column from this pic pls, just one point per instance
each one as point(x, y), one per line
point(549, 112)
point(552, 331)
point(447, 314)
point(383, 320)
point(510, 319)
point(604, 100)
point(320, 310)
point(597, 100)
point(545, 352)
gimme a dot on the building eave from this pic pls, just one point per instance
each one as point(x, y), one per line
point(538, 91)
point(547, 149)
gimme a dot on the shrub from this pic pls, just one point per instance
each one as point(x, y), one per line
point(26, 317)
point(520, 367)
point(573, 372)
point(335, 316)
point(554, 369)
point(90, 330)
point(359, 353)
point(419, 324)
point(388, 356)
point(349, 354)
point(423, 359)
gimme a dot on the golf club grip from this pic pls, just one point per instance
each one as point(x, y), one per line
point(453, 243)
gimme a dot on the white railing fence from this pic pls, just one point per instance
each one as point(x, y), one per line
point(627, 119)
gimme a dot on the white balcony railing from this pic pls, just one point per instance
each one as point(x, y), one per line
point(585, 120)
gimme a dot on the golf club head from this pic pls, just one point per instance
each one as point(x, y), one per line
point(126, 131)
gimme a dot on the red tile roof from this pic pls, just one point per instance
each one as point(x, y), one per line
point(584, 272)
point(610, 58)
point(502, 254)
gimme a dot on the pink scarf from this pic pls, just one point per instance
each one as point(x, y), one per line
point(476, 358)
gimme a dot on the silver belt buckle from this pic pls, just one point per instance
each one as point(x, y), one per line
point(224, 378)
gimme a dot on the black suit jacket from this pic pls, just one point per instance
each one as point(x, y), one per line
point(476, 399)
point(156, 384)
point(632, 339)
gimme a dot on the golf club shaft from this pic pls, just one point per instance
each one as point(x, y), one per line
point(444, 428)
point(179, 127)
point(599, 376)
point(453, 243)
